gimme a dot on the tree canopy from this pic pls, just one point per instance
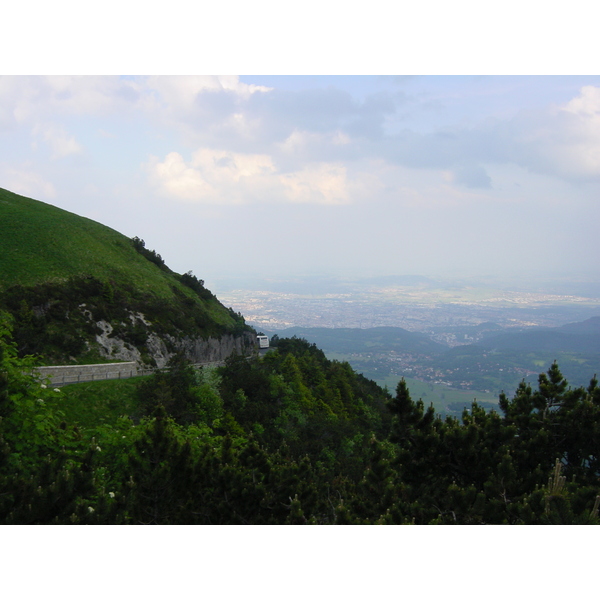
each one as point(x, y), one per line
point(294, 438)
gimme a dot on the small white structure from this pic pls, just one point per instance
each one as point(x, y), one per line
point(263, 341)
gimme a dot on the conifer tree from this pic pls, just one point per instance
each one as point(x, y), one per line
point(158, 481)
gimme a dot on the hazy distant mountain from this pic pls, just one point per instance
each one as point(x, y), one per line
point(587, 327)
point(574, 337)
point(376, 339)
point(401, 280)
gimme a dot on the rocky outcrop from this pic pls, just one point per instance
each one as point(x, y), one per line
point(160, 350)
point(216, 349)
point(114, 347)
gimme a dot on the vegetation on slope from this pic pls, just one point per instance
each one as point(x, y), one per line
point(42, 243)
point(292, 438)
point(60, 274)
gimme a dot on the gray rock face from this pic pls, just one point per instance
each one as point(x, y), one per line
point(113, 347)
point(216, 349)
point(197, 350)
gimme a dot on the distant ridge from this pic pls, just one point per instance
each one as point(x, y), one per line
point(348, 340)
point(402, 280)
point(588, 327)
point(573, 337)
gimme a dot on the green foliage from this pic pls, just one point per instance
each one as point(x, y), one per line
point(190, 280)
point(42, 243)
point(186, 394)
point(95, 404)
point(56, 320)
point(302, 399)
point(42, 478)
point(151, 255)
point(28, 425)
point(289, 438)
point(493, 469)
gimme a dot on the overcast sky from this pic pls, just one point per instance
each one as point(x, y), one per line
point(299, 175)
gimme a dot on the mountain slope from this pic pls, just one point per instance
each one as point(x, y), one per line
point(574, 337)
point(74, 286)
point(40, 243)
point(375, 339)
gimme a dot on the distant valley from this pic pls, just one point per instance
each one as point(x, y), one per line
point(462, 340)
point(454, 376)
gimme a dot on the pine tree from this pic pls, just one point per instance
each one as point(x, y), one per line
point(158, 482)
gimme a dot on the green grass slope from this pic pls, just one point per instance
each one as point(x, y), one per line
point(53, 263)
point(40, 243)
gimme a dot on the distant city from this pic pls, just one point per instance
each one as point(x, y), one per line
point(339, 316)
point(439, 312)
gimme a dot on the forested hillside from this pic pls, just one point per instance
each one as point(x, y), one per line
point(290, 438)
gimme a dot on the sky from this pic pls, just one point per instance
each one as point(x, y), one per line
point(458, 174)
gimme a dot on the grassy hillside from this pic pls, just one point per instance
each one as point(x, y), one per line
point(41, 243)
point(55, 266)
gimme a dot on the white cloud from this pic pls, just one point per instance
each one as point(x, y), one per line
point(34, 99)
point(300, 128)
point(31, 100)
point(305, 142)
point(233, 83)
point(223, 166)
point(579, 152)
point(240, 125)
point(213, 176)
point(224, 177)
point(60, 142)
point(91, 95)
point(472, 176)
point(563, 142)
point(175, 179)
point(180, 92)
point(297, 141)
point(18, 96)
point(587, 103)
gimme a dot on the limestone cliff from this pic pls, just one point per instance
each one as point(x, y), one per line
point(157, 350)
